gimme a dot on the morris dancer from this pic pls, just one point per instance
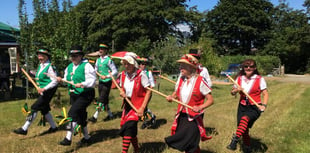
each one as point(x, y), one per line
point(255, 85)
point(47, 88)
point(103, 65)
point(191, 89)
point(83, 75)
point(133, 82)
point(203, 71)
point(143, 62)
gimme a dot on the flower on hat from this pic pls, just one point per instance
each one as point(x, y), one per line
point(188, 59)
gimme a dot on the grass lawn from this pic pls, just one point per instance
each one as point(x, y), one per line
point(282, 128)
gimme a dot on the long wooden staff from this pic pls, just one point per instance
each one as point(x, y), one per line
point(167, 96)
point(55, 77)
point(119, 88)
point(167, 79)
point(231, 79)
point(30, 79)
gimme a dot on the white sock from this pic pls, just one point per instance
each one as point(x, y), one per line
point(70, 132)
point(96, 114)
point(50, 120)
point(28, 123)
point(148, 110)
point(85, 133)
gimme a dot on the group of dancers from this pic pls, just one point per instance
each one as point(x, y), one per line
point(192, 90)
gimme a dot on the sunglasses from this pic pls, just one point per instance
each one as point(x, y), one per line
point(249, 66)
point(142, 63)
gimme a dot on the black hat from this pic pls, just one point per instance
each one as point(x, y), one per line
point(76, 50)
point(44, 51)
point(103, 46)
point(195, 53)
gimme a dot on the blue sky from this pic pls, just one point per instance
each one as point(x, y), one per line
point(9, 8)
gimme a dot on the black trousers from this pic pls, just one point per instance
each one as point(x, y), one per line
point(250, 111)
point(79, 104)
point(43, 102)
point(104, 91)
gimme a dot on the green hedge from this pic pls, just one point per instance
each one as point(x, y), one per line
point(265, 64)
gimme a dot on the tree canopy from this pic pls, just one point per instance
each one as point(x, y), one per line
point(236, 27)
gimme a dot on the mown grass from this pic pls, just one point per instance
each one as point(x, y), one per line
point(283, 128)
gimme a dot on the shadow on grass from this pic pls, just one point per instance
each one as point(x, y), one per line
point(257, 145)
point(101, 135)
point(117, 114)
point(206, 151)
point(153, 147)
point(158, 123)
point(96, 137)
point(211, 131)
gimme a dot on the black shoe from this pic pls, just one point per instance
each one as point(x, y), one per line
point(20, 131)
point(233, 143)
point(144, 125)
point(83, 142)
point(52, 130)
point(153, 120)
point(108, 118)
point(247, 149)
point(92, 119)
point(65, 142)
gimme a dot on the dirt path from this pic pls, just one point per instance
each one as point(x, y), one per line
point(292, 78)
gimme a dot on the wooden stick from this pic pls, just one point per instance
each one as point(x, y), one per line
point(55, 77)
point(167, 79)
point(167, 96)
point(119, 88)
point(30, 79)
point(231, 79)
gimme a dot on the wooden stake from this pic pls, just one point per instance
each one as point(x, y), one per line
point(231, 79)
point(179, 102)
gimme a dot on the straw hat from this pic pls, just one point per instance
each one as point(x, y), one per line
point(188, 59)
point(131, 58)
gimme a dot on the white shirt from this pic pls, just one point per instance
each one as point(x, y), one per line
point(50, 71)
point(188, 86)
point(111, 65)
point(205, 74)
point(90, 74)
point(129, 83)
point(247, 84)
point(151, 78)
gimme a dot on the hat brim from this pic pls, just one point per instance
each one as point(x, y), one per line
point(130, 60)
point(47, 54)
point(77, 53)
point(186, 62)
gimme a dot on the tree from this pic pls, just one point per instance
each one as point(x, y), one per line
point(240, 25)
point(125, 21)
point(290, 38)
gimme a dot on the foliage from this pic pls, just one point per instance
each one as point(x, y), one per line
point(125, 21)
point(165, 54)
point(240, 25)
point(208, 57)
point(237, 27)
point(290, 38)
point(265, 64)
